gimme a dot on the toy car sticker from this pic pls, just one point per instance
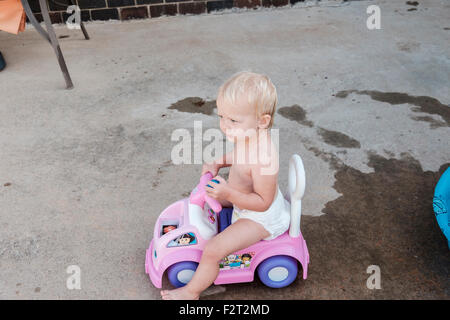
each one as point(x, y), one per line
point(236, 261)
point(187, 239)
point(169, 227)
point(211, 216)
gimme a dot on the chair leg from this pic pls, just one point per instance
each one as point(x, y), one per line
point(83, 29)
point(55, 44)
point(86, 36)
point(34, 22)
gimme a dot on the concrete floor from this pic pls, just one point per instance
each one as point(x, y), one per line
point(84, 173)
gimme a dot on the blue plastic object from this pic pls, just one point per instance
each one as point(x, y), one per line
point(214, 180)
point(225, 218)
point(2, 62)
point(441, 204)
point(278, 271)
point(180, 273)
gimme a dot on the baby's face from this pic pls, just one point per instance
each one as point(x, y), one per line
point(237, 120)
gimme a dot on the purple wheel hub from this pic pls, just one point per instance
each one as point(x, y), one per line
point(181, 273)
point(278, 271)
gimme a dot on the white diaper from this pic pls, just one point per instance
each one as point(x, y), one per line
point(275, 220)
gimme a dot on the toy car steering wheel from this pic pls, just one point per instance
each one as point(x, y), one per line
point(199, 195)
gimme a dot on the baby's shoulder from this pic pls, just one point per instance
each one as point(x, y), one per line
point(267, 160)
point(268, 149)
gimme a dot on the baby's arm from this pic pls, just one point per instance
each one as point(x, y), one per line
point(224, 161)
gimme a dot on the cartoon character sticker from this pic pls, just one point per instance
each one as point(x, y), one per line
point(186, 239)
point(246, 257)
point(236, 261)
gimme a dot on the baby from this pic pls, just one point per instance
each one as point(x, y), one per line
point(246, 106)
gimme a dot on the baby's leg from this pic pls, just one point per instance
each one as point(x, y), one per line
point(239, 235)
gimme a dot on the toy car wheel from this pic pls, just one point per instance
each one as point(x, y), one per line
point(278, 271)
point(181, 273)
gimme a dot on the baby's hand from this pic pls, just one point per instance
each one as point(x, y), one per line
point(211, 167)
point(219, 190)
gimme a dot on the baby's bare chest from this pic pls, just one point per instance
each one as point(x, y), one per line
point(240, 178)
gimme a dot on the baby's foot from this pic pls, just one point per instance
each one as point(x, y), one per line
point(178, 294)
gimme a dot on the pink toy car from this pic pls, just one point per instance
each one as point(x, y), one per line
point(183, 229)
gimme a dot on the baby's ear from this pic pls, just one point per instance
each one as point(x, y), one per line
point(264, 121)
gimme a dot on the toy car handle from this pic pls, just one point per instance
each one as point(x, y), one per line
point(200, 196)
point(213, 203)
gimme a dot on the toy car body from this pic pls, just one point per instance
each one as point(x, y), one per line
point(196, 221)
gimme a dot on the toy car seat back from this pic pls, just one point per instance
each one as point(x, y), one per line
point(297, 183)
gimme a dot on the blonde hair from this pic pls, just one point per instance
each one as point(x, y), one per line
point(260, 91)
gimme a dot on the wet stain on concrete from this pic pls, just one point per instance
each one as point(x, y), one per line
point(333, 161)
point(389, 153)
point(434, 123)
point(335, 138)
point(422, 104)
point(338, 139)
point(194, 105)
point(383, 218)
point(295, 113)
point(159, 172)
point(408, 46)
